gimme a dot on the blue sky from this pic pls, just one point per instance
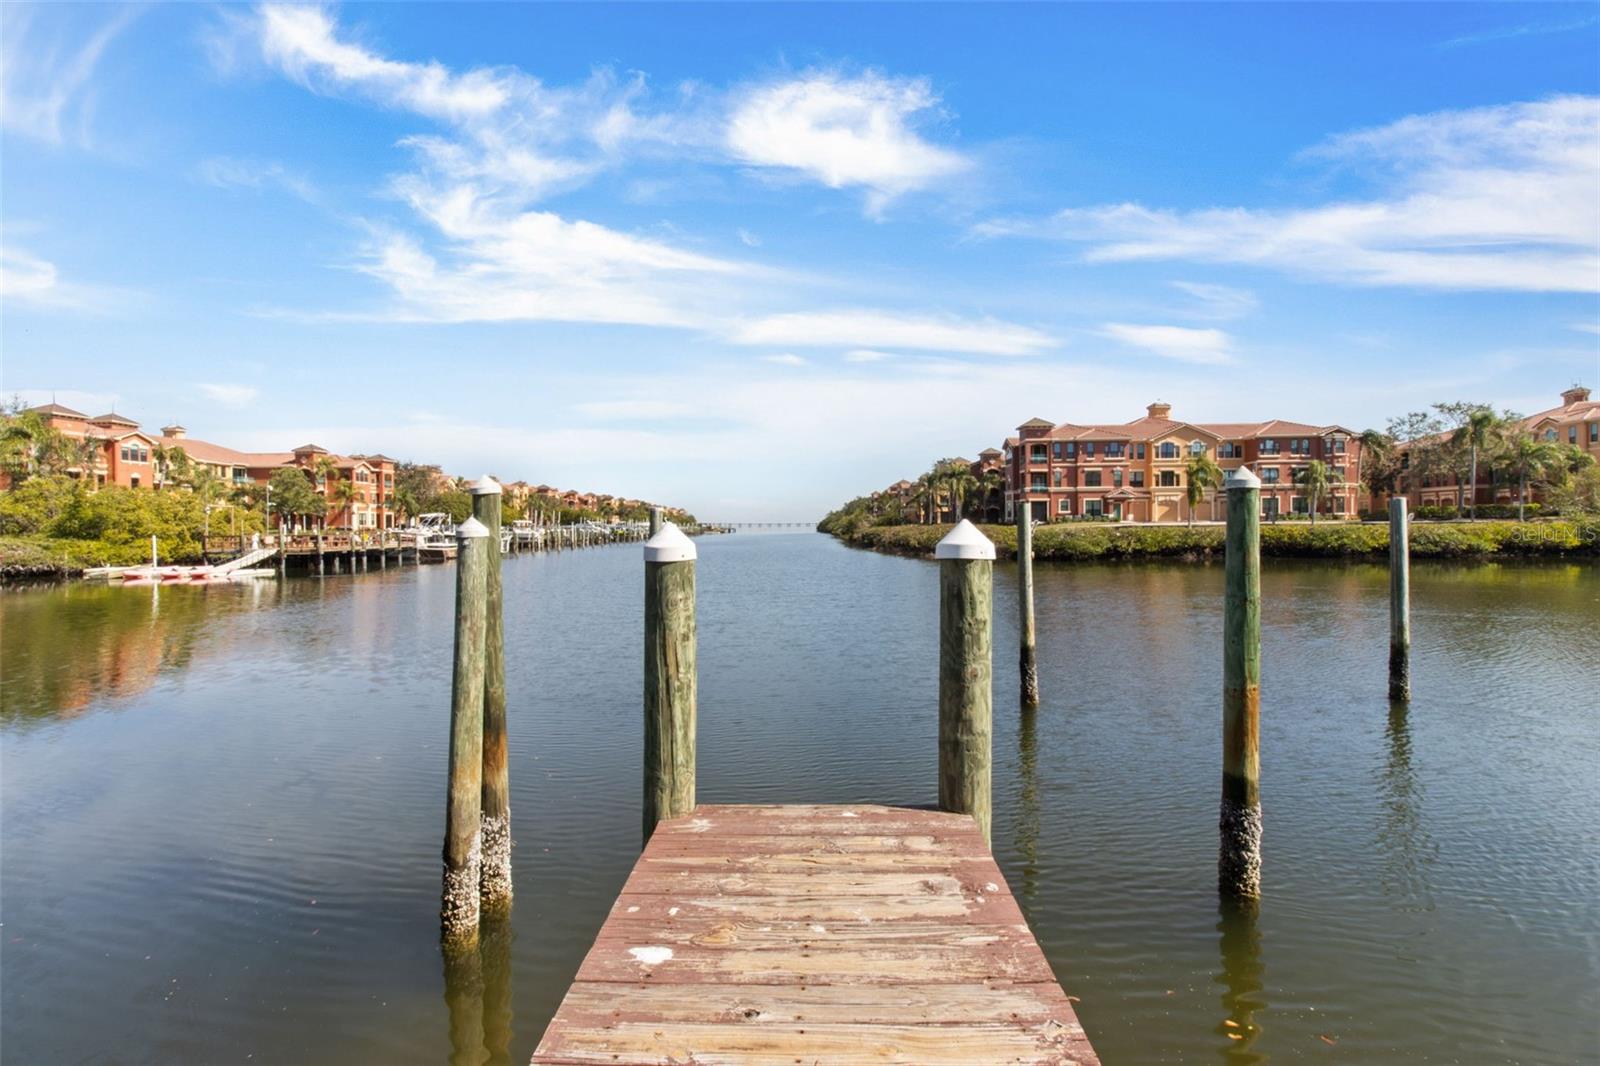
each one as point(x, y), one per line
point(758, 259)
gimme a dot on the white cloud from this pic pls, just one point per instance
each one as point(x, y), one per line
point(866, 355)
point(27, 280)
point(1587, 327)
point(869, 328)
point(46, 89)
point(1205, 346)
point(843, 132)
point(1221, 302)
point(748, 239)
point(228, 395)
point(631, 410)
point(784, 359)
point(1488, 198)
point(228, 173)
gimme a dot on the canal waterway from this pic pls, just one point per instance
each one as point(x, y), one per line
point(223, 807)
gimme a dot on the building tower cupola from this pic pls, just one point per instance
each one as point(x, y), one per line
point(175, 431)
point(1160, 409)
point(1576, 394)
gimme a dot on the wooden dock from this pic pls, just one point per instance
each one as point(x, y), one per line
point(815, 934)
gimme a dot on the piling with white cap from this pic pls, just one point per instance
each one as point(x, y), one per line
point(495, 881)
point(1399, 601)
point(1027, 657)
point(670, 678)
point(463, 816)
point(1239, 855)
point(966, 672)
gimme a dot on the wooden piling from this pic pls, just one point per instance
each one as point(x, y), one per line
point(1399, 600)
point(463, 828)
point(321, 565)
point(1027, 660)
point(670, 679)
point(495, 884)
point(655, 520)
point(1239, 856)
point(966, 672)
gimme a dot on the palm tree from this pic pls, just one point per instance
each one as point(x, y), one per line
point(1375, 474)
point(1202, 474)
point(1315, 479)
point(926, 494)
point(991, 486)
point(1526, 456)
point(343, 494)
point(958, 483)
point(1479, 433)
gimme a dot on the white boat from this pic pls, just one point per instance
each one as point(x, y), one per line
point(432, 536)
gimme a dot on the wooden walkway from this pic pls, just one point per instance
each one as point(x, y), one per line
point(815, 934)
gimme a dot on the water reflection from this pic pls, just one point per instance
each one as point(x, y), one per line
point(1400, 833)
point(1242, 980)
point(477, 995)
point(1028, 801)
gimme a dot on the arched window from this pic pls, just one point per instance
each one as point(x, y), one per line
point(1167, 450)
point(1197, 447)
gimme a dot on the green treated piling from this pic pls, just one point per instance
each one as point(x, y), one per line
point(670, 679)
point(1027, 660)
point(1399, 600)
point(463, 817)
point(1239, 856)
point(655, 520)
point(495, 885)
point(966, 672)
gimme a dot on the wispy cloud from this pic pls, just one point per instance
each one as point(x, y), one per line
point(866, 355)
point(1587, 327)
point(1525, 29)
point(633, 410)
point(28, 280)
point(1220, 302)
point(229, 395)
point(229, 173)
point(843, 132)
point(46, 89)
point(1487, 198)
point(867, 328)
point(784, 359)
point(1205, 346)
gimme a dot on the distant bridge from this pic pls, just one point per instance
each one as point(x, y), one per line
point(764, 525)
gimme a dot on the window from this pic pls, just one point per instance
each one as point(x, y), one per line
point(1594, 432)
point(1072, 448)
point(1572, 433)
point(1338, 445)
point(1136, 479)
point(1093, 508)
point(1037, 484)
point(1168, 479)
point(1091, 479)
point(1116, 477)
point(1058, 474)
point(1338, 505)
point(1269, 447)
point(1229, 450)
point(1197, 447)
point(132, 453)
point(1298, 505)
point(1549, 434)
point(1066, 506)
point(1115, 450)
point(1055, 449)
point(1088, 449)
point(134, 481)
point(1338, 475)
point(1037, 453)
point(1269, 476)
point(1269, 506)
point(1167, 450)
point(1138, 450)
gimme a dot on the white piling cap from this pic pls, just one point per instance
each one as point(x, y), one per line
point(1242, 478)
point(966, 541)
point(471, 529)
point(486, 486)
point(670, 545)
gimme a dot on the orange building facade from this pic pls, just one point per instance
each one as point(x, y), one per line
point(1135, 471)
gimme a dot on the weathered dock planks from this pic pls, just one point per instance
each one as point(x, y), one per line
point(815, 934)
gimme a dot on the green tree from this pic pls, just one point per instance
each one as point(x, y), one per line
point(1201, 475)
point(1481, 431)
point(1527, 457)
point(293, 494)
point(1377, 465)
point(955, 482)
point(1314, 480)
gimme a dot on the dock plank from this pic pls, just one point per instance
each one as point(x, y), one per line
point(810, 933)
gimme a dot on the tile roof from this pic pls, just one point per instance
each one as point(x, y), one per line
point(114, 419)
point(53, 408)
point(204, 451)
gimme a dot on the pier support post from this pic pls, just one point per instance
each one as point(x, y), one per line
point(1239, 857)
point(655, 521)
point(321, 563)
point(496, 880)
point(1027, 660)
point(670, 679)
point(966, 672)
point(463, 830)
point(1399, 601)
point(283, 549)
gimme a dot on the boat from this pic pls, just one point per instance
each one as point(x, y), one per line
point(432, 536)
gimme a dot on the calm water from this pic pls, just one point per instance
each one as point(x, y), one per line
point(223, 807)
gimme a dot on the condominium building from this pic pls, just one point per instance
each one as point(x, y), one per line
point(1576, 421)
point(1135, 471)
